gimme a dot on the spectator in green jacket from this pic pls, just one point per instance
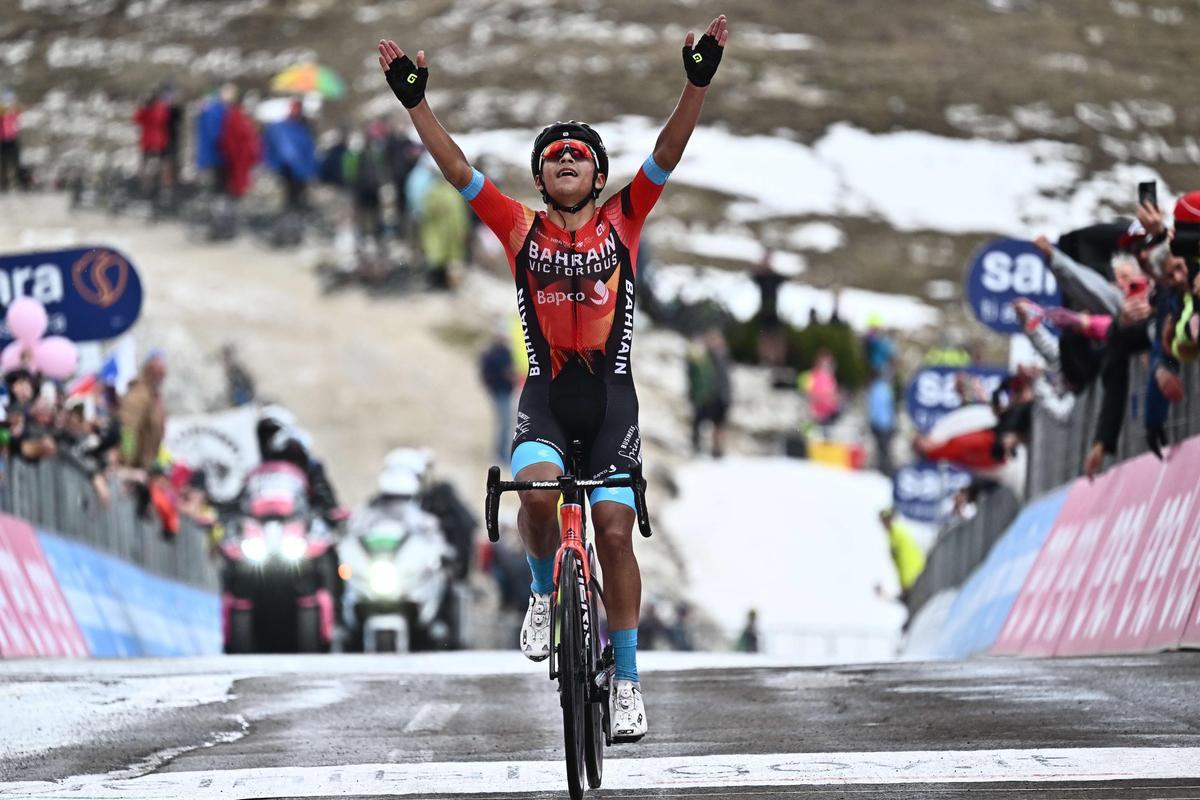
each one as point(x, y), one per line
point(710, 388)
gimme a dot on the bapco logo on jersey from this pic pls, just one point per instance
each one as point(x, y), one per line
point(598, 296)
point(601, 293)
point(558, 298)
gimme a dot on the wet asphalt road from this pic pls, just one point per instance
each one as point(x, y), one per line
point(135, 718)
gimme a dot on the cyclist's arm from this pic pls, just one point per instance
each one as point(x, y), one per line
point(643, 191)
point(668, 150)
point(640, 196)
point(700, 60)
point(445, 151)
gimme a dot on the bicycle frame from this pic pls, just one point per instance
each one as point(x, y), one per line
point(585, 708)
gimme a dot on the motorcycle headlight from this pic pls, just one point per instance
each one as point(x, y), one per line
point(254, 549)
point(383, 578)
point(293, 548)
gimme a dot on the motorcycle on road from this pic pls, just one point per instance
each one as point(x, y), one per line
point(400, 595)
point(277, 576)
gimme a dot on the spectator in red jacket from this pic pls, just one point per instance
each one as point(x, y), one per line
point(240, 148)
point(153, 118)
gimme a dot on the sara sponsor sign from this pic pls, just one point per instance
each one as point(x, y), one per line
point(90, 294)
point(1003, 270)
point(222, 445)
point(933, 393)
point(35, 619)
point(920, 490)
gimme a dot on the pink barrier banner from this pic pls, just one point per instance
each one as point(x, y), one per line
point(35, 619)
point(1041, 606)
point(1120, 570)
point(1173, 575)
point(1101, 609)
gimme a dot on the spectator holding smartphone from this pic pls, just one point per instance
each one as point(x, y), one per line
point(1142, 325)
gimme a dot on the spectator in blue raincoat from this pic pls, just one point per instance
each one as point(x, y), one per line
point(881, 412)
point(209, 122)
point(290, 151)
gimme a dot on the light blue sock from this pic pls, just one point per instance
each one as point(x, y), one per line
point(625, 649)
point(543, 573)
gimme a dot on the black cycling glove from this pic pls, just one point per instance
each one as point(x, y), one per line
point(700, 62)
point(407, 81)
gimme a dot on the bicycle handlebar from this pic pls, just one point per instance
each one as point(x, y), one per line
point(497, 487)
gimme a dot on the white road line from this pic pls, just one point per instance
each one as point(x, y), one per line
point(432, 717)
point(796, 769)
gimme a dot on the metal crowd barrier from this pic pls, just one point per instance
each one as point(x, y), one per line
point(963, 546)
point(58, 497)
point(1059, 448)
point(1056, 454)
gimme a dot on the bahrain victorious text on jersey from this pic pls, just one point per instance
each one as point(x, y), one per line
point(575, 289)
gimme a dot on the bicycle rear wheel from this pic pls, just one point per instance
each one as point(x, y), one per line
point(572, 670)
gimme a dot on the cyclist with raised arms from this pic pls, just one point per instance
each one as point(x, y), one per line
point(574, 267)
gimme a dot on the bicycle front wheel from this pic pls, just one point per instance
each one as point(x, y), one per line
point(597, 710)
point(572, 670)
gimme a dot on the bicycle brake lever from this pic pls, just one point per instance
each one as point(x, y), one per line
point(491, 511)
point(639, 501)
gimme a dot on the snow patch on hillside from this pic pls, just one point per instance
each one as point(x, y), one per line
point(798, 542)
point(912, 180)
point(737, 293)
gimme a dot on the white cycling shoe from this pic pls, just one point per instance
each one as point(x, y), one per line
point(627, 713)
point(535, 630)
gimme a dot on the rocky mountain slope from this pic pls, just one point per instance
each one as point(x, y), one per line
point(1029, 112)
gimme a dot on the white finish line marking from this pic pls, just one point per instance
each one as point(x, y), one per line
point(795, 769)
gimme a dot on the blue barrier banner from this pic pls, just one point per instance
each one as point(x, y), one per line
point(90, 293)
point(983, 603)
point(1003, 270)
point(931, 393)
point(126, 611)
point(920, 490)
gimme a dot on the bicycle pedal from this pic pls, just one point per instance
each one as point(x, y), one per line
point(626, 739)
point(604, 676)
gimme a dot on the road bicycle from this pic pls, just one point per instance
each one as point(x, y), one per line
point(583, 671)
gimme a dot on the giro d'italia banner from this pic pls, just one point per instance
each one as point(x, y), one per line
point(90, 293)
point(221, 445)
point(1000, 272)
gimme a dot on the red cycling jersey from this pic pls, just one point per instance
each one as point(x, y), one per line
point(579, 285)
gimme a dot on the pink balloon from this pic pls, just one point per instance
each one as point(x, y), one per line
point(56, 357)
point(26, 319)
point(10, 357)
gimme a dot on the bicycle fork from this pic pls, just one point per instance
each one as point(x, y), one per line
point(571, 525)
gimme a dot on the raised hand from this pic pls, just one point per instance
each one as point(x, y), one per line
point(406, 78)
point(1150, 217)
point(701, 60)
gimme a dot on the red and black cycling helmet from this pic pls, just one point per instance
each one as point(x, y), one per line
point(568, 130)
